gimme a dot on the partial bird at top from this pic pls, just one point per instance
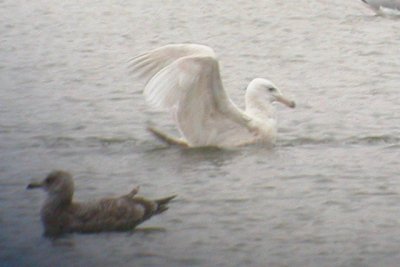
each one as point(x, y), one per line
point(185, 79)
point(384, 7)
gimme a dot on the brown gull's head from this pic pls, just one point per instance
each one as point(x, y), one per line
point(57, 184)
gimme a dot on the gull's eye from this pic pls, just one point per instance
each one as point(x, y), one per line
point(49, 180)
point(271, 89)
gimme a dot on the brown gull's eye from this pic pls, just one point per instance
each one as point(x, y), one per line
point(50, 179)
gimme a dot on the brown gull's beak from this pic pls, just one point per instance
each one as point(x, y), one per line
point(34, 185)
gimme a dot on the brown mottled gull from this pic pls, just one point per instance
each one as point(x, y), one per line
point(60, 214)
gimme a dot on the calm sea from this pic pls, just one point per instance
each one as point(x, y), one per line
point(327, 194)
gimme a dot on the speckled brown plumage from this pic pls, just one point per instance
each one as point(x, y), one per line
point(61, 215)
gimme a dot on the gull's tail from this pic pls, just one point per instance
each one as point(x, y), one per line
point(162, 204)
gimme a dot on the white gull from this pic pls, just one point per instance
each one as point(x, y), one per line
point(185, 79)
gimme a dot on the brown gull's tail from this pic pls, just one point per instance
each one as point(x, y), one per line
point(162, 204)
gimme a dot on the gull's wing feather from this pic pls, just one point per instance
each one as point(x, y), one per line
point(146, 65)
point(106, 215)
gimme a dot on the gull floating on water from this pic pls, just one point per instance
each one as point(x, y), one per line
point(185, 79)
point(384, 7)
point(60, 214)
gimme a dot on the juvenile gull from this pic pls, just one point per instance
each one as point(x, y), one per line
point(185, 79)
point(60, 214)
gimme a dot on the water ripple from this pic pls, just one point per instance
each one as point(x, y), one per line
point(391, 140)
point(91, 141)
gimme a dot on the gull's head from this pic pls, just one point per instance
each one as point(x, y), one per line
point(56, 183)
point(263, 90)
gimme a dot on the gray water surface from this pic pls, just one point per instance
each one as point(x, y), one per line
point(327, 194)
